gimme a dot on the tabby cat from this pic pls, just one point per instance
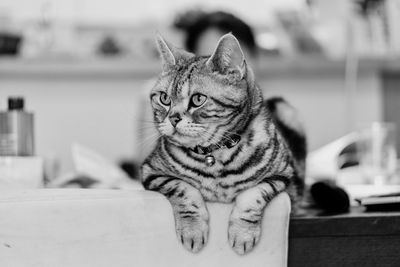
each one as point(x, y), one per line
point(220, 142)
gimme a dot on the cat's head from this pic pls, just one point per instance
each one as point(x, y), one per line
point(203, 100)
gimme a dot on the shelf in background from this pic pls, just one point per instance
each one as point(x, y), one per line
point(128, 68)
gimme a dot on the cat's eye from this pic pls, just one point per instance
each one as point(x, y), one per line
point(164, 99)
point(197, 100)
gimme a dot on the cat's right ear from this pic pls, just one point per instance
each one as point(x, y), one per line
point(170, 55)
point(167, 58)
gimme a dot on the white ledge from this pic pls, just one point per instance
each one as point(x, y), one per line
point(75, 227)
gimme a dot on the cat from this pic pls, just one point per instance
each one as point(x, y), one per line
point(220, 142)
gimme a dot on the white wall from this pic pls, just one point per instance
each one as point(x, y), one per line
point(103, 111)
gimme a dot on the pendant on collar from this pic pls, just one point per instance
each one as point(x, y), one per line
point(210, 160)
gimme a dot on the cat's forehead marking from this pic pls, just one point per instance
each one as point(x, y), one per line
point(170, 87)
point(180, 87)
point(185, 90)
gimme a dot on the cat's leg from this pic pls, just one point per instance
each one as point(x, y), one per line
point(244, 229)
point(190, 211)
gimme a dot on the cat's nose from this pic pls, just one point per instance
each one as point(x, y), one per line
point(175, 118)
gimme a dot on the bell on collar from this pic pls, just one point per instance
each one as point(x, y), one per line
point(210, 160)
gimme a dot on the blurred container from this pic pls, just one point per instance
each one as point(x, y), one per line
point(377, 152)
point(21, 172)
point(10, 37)
point(9, 43)
point(16, 130)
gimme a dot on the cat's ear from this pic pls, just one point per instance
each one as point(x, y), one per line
point(167, 58)
point(170, 55)
point(227, 56)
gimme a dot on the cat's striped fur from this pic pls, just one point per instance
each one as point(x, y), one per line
point(268, 159)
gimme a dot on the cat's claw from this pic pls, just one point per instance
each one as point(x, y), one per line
point(243, 236)
point(193, 233)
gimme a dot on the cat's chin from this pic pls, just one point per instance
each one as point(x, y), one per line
point(186, 141)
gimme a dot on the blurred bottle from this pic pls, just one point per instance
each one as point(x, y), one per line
point(16, 130)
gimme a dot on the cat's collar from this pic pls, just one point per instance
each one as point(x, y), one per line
point(227, 143)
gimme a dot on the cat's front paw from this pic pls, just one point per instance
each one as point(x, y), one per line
point(243, 234)
point(192, 232)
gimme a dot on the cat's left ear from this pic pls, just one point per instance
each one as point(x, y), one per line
point(228, 56)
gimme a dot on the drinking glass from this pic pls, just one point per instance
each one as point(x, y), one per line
point(377, 152)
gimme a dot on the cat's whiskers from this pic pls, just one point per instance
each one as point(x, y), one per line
point(223, 136)
point(146, 127)
point(149, 137)
point(210, 135)
point(232, 133)
point(230, 136)
point(204, 135)
point(148, 145)
point(150, 140)
point(145, 121)
point(218, 145)
point(196, 125)
point(150, 122)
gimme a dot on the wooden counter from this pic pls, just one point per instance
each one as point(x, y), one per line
point(354, 239)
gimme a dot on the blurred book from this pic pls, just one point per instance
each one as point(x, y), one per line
point(384, 202)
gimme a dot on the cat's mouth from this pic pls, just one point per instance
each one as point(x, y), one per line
point(187, 138)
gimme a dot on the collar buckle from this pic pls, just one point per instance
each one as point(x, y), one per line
point(231, 142)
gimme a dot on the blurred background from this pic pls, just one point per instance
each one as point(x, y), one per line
point(82, 66)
